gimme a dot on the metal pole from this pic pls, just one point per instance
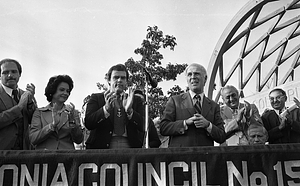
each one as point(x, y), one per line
point(146, 114)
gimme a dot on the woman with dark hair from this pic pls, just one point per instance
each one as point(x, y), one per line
point(56, 126)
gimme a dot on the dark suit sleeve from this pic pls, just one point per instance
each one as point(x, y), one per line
point(271, 123)
point(154, 141)
point(169, 124)
point(295, 123)
point(94, 111)
point(138, 118)
point(218, 131)
point(8, 117)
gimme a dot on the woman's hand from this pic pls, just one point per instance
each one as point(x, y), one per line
point(55, 115)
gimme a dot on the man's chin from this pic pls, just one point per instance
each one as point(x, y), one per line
point(234, 106)
point(11, 85)
point(118, 91)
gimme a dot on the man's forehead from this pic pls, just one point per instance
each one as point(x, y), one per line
point(194, 69)
point(229, 91)
point(275, 93)
point(9, 65)
point(118, 73)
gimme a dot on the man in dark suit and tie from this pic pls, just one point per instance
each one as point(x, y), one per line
point(16, 107)
point(114, 117)
point(192, 119)
point(282, 124)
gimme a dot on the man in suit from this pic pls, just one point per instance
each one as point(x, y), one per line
point(281, 128)
point(16, 107)
point(257, 134)
point(114, 117)
point(237, 116)
point(192, 119)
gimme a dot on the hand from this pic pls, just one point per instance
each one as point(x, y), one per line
point(200, 121)
point(24, 99)
point(109, 99)
point(248, 110)
point(55, 115)
point(31, 88)
point(70, 108)
point(282, 123)
point(240, 114)
point(74, 120)
point(127, 102)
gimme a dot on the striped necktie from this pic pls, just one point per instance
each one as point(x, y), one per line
point(198, 104)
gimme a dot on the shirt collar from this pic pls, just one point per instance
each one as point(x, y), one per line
point(8, 90)
point(192, 94)
point(277, 111)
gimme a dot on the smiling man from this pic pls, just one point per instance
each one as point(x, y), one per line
point(237, 116)
point(192, 119)
point(281, 129)
point(113, 116)
point(16, 107)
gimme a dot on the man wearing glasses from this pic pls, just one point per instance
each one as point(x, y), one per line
point(281, 129)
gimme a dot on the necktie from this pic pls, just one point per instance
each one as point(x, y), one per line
point(119, 123)
point(15, 95)
point(198, 104)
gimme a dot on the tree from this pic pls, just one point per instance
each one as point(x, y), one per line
point(151, 62)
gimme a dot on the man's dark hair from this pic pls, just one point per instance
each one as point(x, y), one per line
point(53, 83)
point(118, 67)
point(7, 60)
point(278, 90)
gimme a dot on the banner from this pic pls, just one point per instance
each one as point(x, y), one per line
point(202, 166)
point(261, 99)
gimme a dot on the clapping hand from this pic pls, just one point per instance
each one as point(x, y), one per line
point(69, 108)
point(24, 99)
point(128, 101)
point(55, 115)
point(248, 111)
point(31, 88)
point(109, 99)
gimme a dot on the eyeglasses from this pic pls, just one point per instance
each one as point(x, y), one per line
point(276, 98)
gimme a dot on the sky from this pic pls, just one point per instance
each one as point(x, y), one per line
point(83, 39)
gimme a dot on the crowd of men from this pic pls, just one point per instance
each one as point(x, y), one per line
point(116, 119)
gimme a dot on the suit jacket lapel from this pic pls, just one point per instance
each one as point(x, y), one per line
point(206, 106)
point(6, 99)
point(187, 103)
point(47, 117)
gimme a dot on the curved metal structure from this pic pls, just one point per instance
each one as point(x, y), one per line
point(262, 39)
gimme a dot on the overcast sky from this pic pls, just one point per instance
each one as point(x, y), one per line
point(84, 38)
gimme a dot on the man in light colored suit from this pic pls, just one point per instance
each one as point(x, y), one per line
point(16, 107)
point(191, 121)
point(237, 116)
